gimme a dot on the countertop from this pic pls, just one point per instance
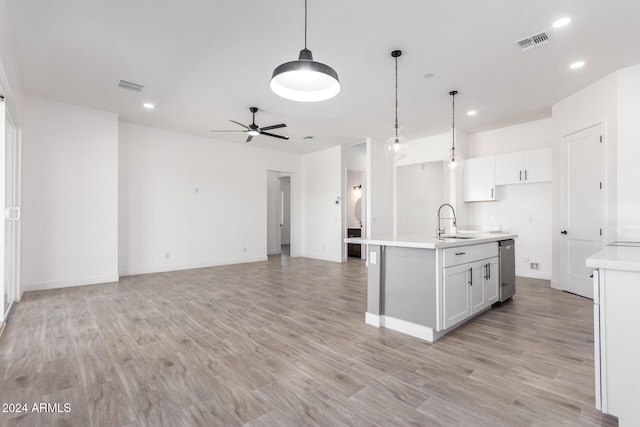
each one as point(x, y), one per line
point(428, 242)
point(616, 258)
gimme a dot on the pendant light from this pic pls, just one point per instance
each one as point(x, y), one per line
point(396, 146)
point(305, 80)
point(454, 162)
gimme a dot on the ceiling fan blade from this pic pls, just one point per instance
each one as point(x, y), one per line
point(281, 125)
point(274, 135)
point(249, 138)
point(228, 131)
point(238, 123)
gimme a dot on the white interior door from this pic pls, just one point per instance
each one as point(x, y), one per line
point(583, 206)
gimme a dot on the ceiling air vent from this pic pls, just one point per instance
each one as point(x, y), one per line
point(533, 41)
point(130, 85)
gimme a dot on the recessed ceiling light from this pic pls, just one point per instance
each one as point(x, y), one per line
point(561, 22)
point(148, 105)
point(429, 75)
point(308, 137)
point(576, 65)
point(472, 113)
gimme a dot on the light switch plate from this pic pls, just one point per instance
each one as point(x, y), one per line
point(372, 258)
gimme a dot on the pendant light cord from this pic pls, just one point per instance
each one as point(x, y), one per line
point(305, 24)
point(396, 98)
point(453, 125)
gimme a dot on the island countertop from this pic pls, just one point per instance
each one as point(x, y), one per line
point(616, 258)
point(427, 242)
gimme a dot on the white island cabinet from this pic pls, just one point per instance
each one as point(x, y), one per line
point(426, 287)
point(617, 332)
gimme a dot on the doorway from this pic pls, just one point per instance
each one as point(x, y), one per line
point(583, 208)
point(279, 213)
point(354, 212)
point(10, 160)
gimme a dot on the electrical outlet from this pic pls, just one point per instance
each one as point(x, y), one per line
point(372, 258)
point(244, 249)
point(534, 266)
point(167, 255)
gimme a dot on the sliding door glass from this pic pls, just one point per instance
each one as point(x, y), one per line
point(11, 163)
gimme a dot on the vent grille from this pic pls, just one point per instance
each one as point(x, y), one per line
point(533, 41)
point(130, 85)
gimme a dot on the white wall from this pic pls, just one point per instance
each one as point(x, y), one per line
point(420, 191)
point(628, 134)
point(379, 191)
point(436, 149)
point(522, 209)
point(69, 195)
point(322, 187)
point(273, 223)
point(595, 104)
point(285, 229)
point(10, 82)
point(202, 202)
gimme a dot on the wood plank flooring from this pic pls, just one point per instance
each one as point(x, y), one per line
point(283, 342)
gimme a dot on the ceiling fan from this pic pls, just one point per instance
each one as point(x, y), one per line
point(254, 130)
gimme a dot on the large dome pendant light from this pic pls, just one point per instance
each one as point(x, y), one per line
point(305, 80)
point(396, 147)
point(454, 162)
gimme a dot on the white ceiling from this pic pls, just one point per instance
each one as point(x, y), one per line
point(205, 62)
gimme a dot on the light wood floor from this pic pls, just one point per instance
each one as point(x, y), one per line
point(283, 342)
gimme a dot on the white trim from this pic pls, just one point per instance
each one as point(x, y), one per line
point(409, 328)
point(555, 284)
point(530, 274)
point(323, 257)
point(27, 287)
point(372, 319)
point(191, 266)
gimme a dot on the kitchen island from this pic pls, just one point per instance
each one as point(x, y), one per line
point(616, 283)
point(427, 286)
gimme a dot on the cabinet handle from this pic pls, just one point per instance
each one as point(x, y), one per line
point(520, 175)
point(492, 193)
point(525, 174)
point(471, 276)
point(489, 271)
point(461, 253)
point(486, 275)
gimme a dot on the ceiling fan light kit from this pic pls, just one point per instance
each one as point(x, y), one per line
point(396, 147)
point(305, 80)
point(254, 130)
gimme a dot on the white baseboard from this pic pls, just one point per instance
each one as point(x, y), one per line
point(413, 329)
point(372, 319)
point(323, 257)
point(532, 274)
point(555, 284)
point(68, 283)
point(189, 266)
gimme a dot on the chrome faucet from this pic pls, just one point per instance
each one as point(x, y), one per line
point(442, 230)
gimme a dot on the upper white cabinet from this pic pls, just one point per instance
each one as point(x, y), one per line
point(479, 179)
point(523, 167)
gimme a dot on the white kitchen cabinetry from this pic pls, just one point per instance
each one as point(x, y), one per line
point(479, 179)
point(616, 351)
point(523, 167)
point(471, 286)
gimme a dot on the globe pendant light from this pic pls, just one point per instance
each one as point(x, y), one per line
point(454, 162)
point(305, 80)
point(396, 146)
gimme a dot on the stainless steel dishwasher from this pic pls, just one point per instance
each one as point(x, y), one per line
point(507, 269)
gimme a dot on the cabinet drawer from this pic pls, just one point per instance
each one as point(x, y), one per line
point(484, 251)
point(456, 256)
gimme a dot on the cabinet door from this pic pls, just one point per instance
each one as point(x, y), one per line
point(479, 179)
point(537, 165)
point(455, 295)
point(492, 281)
point(509, 169)
point(478, 272)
